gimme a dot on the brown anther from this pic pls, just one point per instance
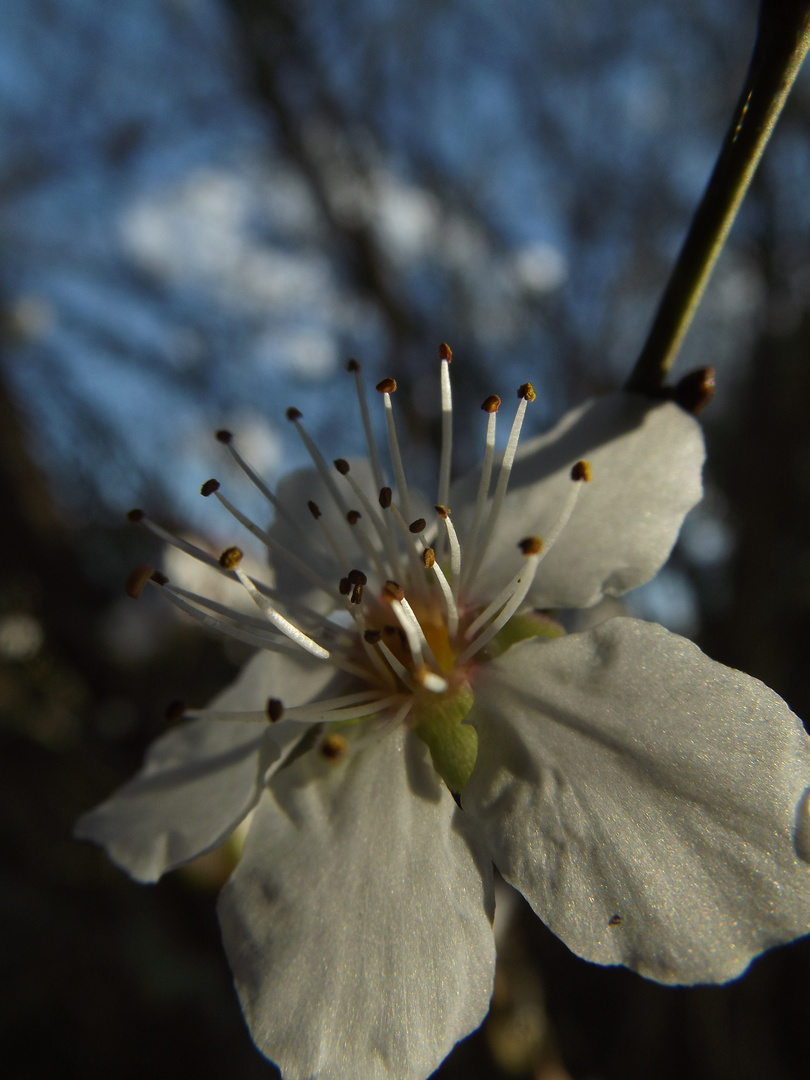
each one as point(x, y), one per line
point(442, 511)
point(174, 711)
point(334, 746)
point(224, 436)
point(342, 465)
point(293, 414)
point(353, 517)
point(344, 586)
point(387, 386)
point(209, 487)
point(417, 526)
point(135, 516)
point(274, 709)
point(445, 352)
point(352, 364)
point(372, 636)
point(531, 545)
point(526, 390)
point(136, 581)
point(357, 594)
point(158, 578)
point(392, 590)
point(385, 497)
point(695, 390)
point(357, 577)
point(492, 403)
point(314, 509)
point(581, 471)
point(428, 558)
point(230, 558)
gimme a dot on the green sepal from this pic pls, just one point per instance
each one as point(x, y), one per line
point(453, 744)
point(531, 624)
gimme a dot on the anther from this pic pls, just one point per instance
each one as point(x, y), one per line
point(158, 578)
point(581, 471)
point(429, 558)
point(230, 558)
point(353, 517)
point(342, 465)
point(174, 711)
point(532, 545)
point(442, 511)
point(136, 581)
point(357, 594)
point(275, 710)
point(372, 636)
point(445, 352)
point(352, 364)
point(385, 497)
point(314, 509)
point(492, 404)
point(417, 526)
point(386, 386)
point(135, 516)
point(345, 586)
point(293, 414)
point(356, 577)
point(209, 487)
point(526, 391)
point(392, 590)
point(224, 437)
point(334, 746)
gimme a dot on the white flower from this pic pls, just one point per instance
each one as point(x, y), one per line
point(650, 804)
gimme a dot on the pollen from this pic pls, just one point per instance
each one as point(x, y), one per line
point(532, 545)
point(334, 747)
point(137, 580)
point(526, 392)
point(230, 558)
point(275, 709)
point(581, 472)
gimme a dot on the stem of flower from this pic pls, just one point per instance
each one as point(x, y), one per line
point(783, 38)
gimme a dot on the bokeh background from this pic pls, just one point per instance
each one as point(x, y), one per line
point(206, 206)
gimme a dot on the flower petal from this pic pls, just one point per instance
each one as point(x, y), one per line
point(358, 922)
point(644, 799)
point(646, 461)
point(201, 779)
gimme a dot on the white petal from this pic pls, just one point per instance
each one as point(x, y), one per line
point(646, 459)
point(645, 800)
point(358, 922)
point(201, 779)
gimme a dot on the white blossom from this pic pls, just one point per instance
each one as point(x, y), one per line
point(414, 714)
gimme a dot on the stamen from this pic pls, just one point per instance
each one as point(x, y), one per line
point(455, 549)
point(446, 356)
point(410, 548)
point(490, 407)
point(232, 558)
point(387, 388)
point(516, 591)
point(371, 442)
point(337, 550)
point(526, 394)
point(226, 438)
point(325, 473)
point(275, 709)
point(451, 609)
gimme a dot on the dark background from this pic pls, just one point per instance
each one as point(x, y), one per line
point(205, 207)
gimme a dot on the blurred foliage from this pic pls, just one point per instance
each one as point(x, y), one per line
point(205, 207)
